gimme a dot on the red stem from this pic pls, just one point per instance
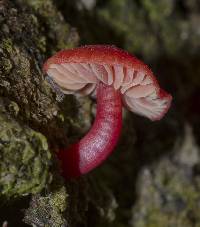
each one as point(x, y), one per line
point(99, 142)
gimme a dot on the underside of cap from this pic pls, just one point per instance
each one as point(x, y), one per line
point(76, 72)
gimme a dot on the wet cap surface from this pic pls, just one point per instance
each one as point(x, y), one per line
point(79, 70)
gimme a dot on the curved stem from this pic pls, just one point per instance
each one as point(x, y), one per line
point(99, 142)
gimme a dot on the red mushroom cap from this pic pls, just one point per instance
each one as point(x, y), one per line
point(80, 69)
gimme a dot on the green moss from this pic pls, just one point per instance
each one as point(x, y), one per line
point(7, 45)
point(48, 210)
point(25, 158)
point(58, 199)
point(150, 27)
point(42, 29)
point(41, 43)
point(157, 10)
point(28, 34)
point(168, 192)
point(13, 108)
point(59, 33)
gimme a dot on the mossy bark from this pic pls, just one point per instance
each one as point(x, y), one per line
point(25, 158)
point(29, 31)
point(33, 124)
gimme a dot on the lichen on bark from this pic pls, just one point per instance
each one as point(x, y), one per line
point(25, 157)
point(151, 28)
point(46, 210)
point(168, 191)
point(159, 31)
point(28, 104)
point(23, 44)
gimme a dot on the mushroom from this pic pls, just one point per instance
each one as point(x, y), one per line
point(117, 77)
